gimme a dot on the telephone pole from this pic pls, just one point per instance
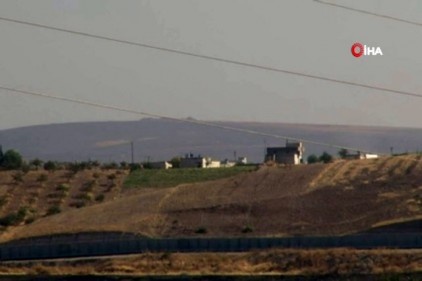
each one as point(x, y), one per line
point(131, 150)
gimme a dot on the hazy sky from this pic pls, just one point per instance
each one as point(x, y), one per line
point(298, 35)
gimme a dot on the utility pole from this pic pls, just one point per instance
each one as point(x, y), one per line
point(131, 150)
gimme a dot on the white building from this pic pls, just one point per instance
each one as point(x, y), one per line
point(291, 154)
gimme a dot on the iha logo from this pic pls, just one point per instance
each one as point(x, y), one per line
point(359, 50)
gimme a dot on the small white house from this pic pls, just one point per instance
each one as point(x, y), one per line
point(368, 156)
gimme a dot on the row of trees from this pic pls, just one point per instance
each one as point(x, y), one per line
point(12, 160)
point(325, 157)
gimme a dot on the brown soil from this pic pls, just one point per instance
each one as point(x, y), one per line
point(338, 198)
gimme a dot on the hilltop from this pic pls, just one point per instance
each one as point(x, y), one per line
point(321, 199)
point(159, 139)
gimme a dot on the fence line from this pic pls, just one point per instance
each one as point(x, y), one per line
point(131, 245)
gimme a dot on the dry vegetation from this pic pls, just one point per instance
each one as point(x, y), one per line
point(286, 262)
point(25, 198)
point(338, 198)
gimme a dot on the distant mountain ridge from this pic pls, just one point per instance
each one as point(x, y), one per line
point(158, 139)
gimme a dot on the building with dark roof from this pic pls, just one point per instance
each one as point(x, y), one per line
point(291, 154)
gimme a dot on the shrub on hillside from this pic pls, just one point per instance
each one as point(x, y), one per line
point(111, 177)
point(14, 218)
point(53, 210)
point(36, 163)
point(100, 198)
point(326, 157)
point(201, 230)
point(88, 186)
point(63, 187)
point(247, 229)
point(77, 204)
point(50, 166)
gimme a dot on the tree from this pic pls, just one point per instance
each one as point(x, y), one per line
point(312, 159)
point(37, 163)
point(11, 160)
point(343, 153)
point(326, 157)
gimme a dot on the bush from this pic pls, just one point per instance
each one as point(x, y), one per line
point(50, 166)
point(53, 210)
point(100, 198)
point(60, 195)
point(88, 186)
point(111, 177)
point(85, 196)
point(201, 230)
point(76, 167)
point(36, 163)
point(29, 220)
point(14, 218)
point(312, 159)
point(77, 204)
point(326, 157)
point(343, 153)
point(8, 220)
point(247, 229)
point(63, 187)
point(3, 200)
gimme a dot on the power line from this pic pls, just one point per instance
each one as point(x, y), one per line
point(369, 13)
point(191, 121)
point(213, 58)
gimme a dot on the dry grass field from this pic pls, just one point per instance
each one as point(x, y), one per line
point(316, 262)
point(337, 198)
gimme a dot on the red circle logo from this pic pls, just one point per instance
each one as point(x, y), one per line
point(357, 50)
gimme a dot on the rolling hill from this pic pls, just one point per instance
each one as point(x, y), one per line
point(321, 199)
point(159, 139)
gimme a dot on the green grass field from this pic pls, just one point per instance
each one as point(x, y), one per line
point(173, 177)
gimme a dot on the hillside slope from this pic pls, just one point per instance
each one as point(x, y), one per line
point(338, 198)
